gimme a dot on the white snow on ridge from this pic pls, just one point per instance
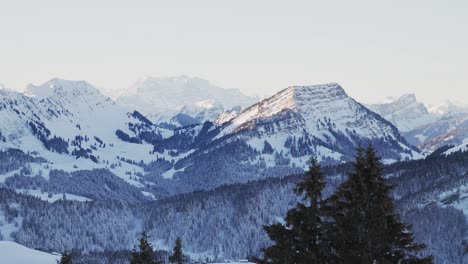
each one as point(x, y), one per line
point(318, 111)
point(13, 253)
point(463, 147)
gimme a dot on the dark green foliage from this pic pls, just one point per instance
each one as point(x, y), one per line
point(303, 238)
point(97, 184)
point(364, 226)
point(13, 159)
point(65, 259)
point(56, 144)
point(125, 137)
point(267, 148)
point(145, 252)
point(357, 224)
point(177, 256)
point(142, 118)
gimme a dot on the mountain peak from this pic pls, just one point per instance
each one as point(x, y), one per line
point(322, 91)
point(296, 98)
point(406, 99)
point(61, 88)
point(406, 112)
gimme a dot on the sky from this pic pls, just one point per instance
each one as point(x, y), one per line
point(374, 49)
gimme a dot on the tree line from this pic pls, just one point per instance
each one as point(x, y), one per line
point(143, 254)
point(358, 223)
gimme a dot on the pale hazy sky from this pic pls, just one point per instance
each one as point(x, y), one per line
point(372, 48)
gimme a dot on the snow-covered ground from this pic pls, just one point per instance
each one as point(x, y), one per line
point(13, 253)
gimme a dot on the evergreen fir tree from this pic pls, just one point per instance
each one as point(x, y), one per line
point(366, 228)
point(145, 254)
point(65, 259)
point(303, 238)
point(177, 256)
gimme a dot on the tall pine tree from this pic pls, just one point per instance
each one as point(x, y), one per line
point(145, 254)
point(177, 256)
point(303, 237)
point(366, 228)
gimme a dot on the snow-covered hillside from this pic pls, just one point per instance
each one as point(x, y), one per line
point(163, 98)
point(13, 253)
point(73, 126)
point(462, 147)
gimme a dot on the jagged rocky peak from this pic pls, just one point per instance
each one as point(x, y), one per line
point(61, 88)
point(406, 112)
point(406, 101)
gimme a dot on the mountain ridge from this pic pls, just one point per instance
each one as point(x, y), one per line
point(72, 125)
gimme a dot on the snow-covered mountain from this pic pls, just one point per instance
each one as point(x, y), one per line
point(450, 129)
point(163, 98)
point(278, 135)
point(426, 128)
point(406, 113)
point(321, 113)
point(72, 125)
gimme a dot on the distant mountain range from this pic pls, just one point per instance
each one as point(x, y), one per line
point(182, 100)
point(185, 130)
point(406, 112)
point(428, 129)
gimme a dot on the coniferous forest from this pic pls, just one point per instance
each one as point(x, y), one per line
point(362, 211)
